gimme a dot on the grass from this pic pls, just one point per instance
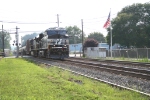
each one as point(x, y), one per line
point(145, 60)
point(24, 80)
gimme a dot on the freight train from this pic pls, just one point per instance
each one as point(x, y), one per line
point(52, 43)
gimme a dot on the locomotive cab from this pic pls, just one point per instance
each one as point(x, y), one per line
point(55, 43)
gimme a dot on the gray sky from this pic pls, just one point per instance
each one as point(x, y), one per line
point(93, 12)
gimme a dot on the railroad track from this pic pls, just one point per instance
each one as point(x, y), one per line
point(128, 71)
point(96, 65)
point(115, 61)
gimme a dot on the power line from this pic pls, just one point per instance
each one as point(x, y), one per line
point(29, 31)
point(93, 21)
point(101, 17)
point(24, 22)
point(46, 22)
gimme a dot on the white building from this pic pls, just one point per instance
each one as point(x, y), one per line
point(7, 52)
point(95, 52)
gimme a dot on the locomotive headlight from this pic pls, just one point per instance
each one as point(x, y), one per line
point(64, 45)
point(54, 45)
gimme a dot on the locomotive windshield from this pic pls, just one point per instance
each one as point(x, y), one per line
point(54, 32)
point(57, 34)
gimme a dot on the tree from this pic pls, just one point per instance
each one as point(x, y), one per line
point(131, 27)
point(28, 36)
point(7, 39)
point(90, 43)
point(75, 34)
point(97, 36)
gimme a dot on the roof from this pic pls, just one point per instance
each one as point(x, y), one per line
point(56, 30)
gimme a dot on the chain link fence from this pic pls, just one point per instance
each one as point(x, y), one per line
point(137, 53)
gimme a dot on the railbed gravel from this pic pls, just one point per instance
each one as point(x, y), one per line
point(127, 81)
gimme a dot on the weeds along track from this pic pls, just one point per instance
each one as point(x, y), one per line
point(130, 78)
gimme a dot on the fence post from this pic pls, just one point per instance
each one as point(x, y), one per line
point(127, 54)
point(147, 51)
point(137, 53)
point(120, 53)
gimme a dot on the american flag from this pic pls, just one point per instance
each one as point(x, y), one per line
point(107, 23)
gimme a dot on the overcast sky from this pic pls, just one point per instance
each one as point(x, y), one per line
point(93, 12)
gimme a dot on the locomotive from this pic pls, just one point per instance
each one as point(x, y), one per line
point(52, 43)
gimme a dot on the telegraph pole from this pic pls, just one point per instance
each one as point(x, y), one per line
point(3, 37)
point(82, 37)
point(58, 20)
point(75, 45)
point(17, 41)
point(21, 41)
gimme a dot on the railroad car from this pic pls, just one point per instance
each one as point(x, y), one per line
point(28, 49)
point(22, 50)
point(52, 43)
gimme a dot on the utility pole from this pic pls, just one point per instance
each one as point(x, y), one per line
point(58, 20)
point(82, 37)
point(75, 45)
point(21, 41)
point(3, 37)
point(17, 41)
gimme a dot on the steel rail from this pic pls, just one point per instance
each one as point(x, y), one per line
point(114, 61)
point(139, 73)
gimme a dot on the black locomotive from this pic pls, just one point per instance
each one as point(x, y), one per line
point(53, 43)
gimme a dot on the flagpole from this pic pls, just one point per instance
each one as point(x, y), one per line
point(108, 22)
point(111, 33)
